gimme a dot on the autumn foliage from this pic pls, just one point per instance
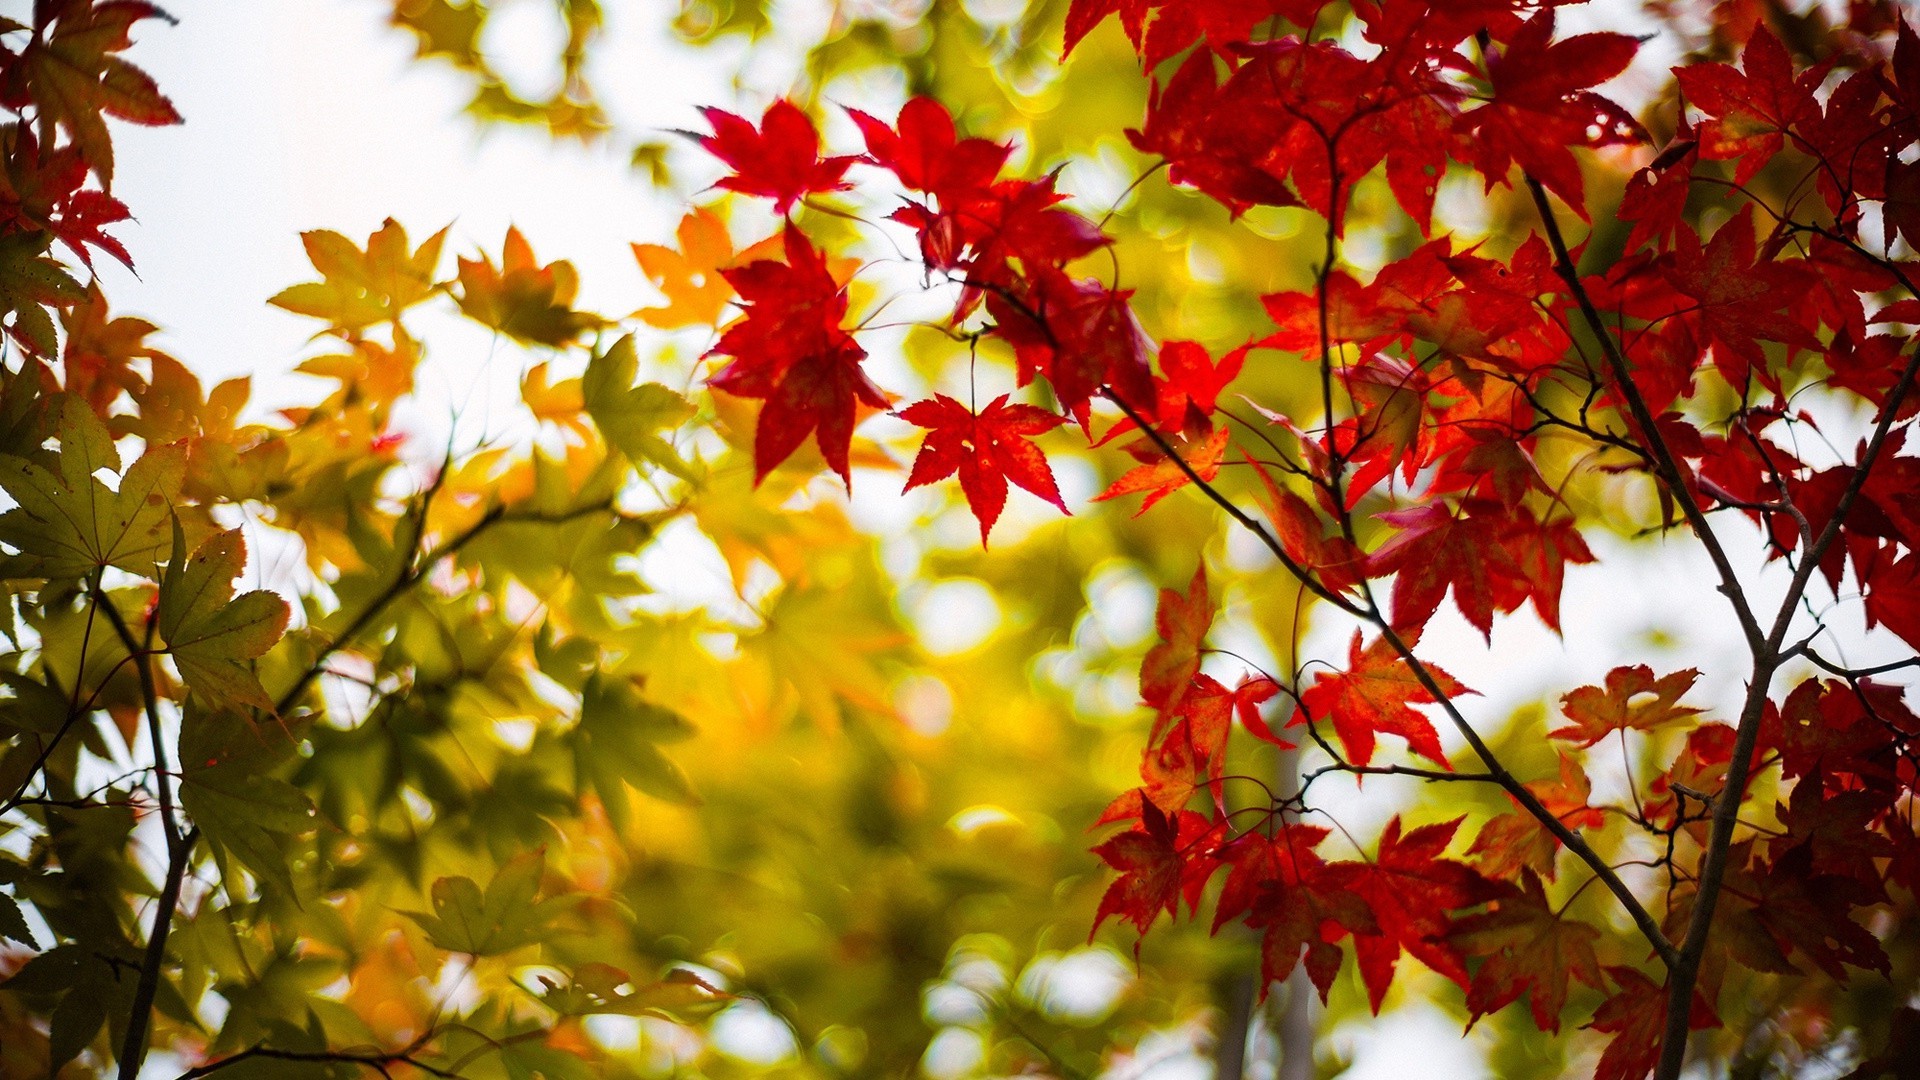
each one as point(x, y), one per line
point(427, 819)
point(1755, 307)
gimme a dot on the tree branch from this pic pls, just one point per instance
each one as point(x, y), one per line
point(1665, 464)
point(133, 1050)
point(375, 1060)
point(1642, 918)
point(411, 573)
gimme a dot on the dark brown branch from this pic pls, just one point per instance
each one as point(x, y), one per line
point(133, 1049)
point(1844, 672)
point(1642, 918)
point(379, 1061)
point(1666, 466)
point(1726, 806)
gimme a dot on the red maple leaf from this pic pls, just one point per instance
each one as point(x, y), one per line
point(1375, 695)
point(1332, 559)
point(69, 73)
point(1737, 293)
point(1656, 196)
point(925, 154)
point(1541, 106)
point(1517, 840)
point(1148, 858)
point(987, 449)
point(1751, 109)
point(1302, 905)
point(791, 350)
point(1257, 862)
point(780, 161)
point(1080, 334)
point(1165, 856)
point(1412, 892)
point(1636, 1016)
point(44, 190)
point(1624, 703)
point(1205, 140)
point(1528, 948)
point(1183, 622)
point(1160, 476)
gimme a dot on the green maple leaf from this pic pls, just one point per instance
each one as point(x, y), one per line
point(500, 919)
point(68, 523)
point(596, 989)
point(211, 633)
point(631, 416)
point(225, 785)
point(31, 281)
point(616, 744)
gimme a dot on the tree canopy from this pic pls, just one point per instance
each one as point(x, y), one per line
point(1370, 506)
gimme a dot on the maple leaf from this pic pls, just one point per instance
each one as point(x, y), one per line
point(45, 189)
point(360, 288)
point(1188, 392)
point(68, 523)
point(1412, 891)
point(987, 449)
point(77, 80)
point(1257, 863)
point(529, 303)
point(1738, 293)
point(1150, 865)
point(690, 278)
point(925, 153)
point(1526, 948)
point(1182, 622)
point(1754, 108)
point(1598, 712)
point(506, 916)
point(226, 783)
point(1198, 131)
point(1083, 337)
point(791, 350)
point(617, 743)
point(1636, 1016)
point(1517, 840)
point(1492, 557)
point(594, 990)
point(1161, 476)
point(631, 417)
point(1301, 532)
point(1541, 106)
point(30, 283)
point(1208, 696)
point(1375, 695)
point(780, 160)
point(1656, 196)
point(1301, 904)
point(98, 354)
point(210, 632)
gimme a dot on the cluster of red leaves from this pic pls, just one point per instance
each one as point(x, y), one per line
point(1440, 373)
point(61, 77)
point(1008, 243)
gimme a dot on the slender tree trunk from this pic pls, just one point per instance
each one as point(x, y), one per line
point(1294, 1026)
point(1292, 1016)
point(1230, 1055)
